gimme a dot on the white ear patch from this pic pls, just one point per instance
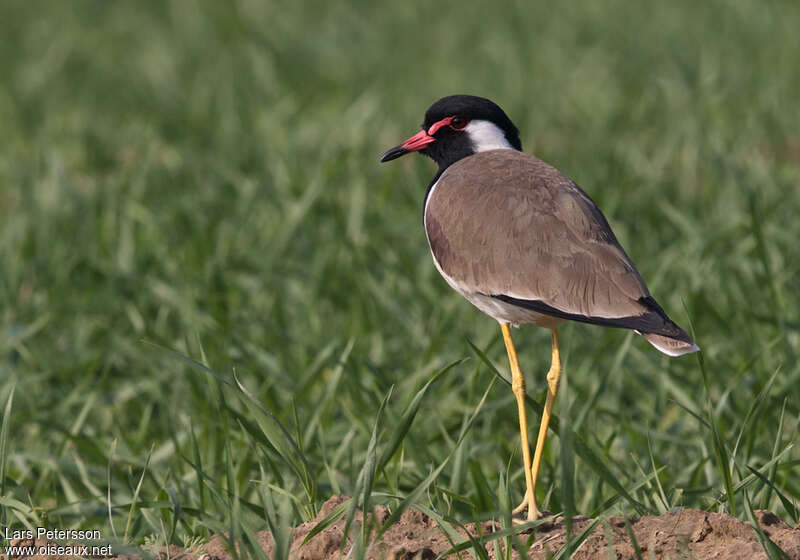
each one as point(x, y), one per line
point(485, 135)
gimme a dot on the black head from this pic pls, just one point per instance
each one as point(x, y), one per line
point(457, 126)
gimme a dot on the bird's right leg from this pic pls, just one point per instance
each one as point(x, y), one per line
point(553, 376)
point(518, 387)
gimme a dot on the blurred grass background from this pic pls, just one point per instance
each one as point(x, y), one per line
point(203, 177)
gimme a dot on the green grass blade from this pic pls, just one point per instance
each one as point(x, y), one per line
point(414, 495)
point(634, 488)
point(447, 528)
point(662, 495)
point(365, 479)
point(108, 482)
point(695, 415)
point(278, 525)
point(402, 427)
point(280, 438)
point(573, 545)
point(750, 479)
point(370, 466)
point(256, 552)
point(720, 449)
point(787, 503)
point(132, 508)
point(754, 405)
point(504, 505)
point(632, 537)
point(4, 451)
point(470, 541)
point(775, 446)
point(334, 516)
point(772, 550)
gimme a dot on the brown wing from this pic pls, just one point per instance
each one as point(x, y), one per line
point(506, 224)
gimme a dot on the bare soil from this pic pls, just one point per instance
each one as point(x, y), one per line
point(684, 534)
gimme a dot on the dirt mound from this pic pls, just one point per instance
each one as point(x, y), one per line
point(687, 533)
point(683, 534)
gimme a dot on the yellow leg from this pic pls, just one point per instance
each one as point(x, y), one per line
point(553, 376)
point(518, 386)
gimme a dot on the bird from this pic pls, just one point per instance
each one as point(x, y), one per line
point(525, 245)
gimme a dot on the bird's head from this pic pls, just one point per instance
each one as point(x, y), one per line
point(458, 126)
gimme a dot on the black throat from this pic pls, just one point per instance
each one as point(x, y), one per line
point(450, 146)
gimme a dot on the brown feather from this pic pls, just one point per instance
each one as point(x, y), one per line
point(502, 222)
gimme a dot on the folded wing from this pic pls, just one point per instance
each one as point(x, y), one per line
point(537, 241)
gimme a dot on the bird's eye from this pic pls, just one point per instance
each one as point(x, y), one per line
point(458, 123)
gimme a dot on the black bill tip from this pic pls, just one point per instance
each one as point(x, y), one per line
point(393, 153)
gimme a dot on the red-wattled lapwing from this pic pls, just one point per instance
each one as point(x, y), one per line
point(525, 245)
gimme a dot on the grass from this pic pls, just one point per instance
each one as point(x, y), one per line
point(217, 309)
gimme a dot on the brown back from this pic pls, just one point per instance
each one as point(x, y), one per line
point(502, 222)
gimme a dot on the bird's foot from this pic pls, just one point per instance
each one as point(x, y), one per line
point(528, 505)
